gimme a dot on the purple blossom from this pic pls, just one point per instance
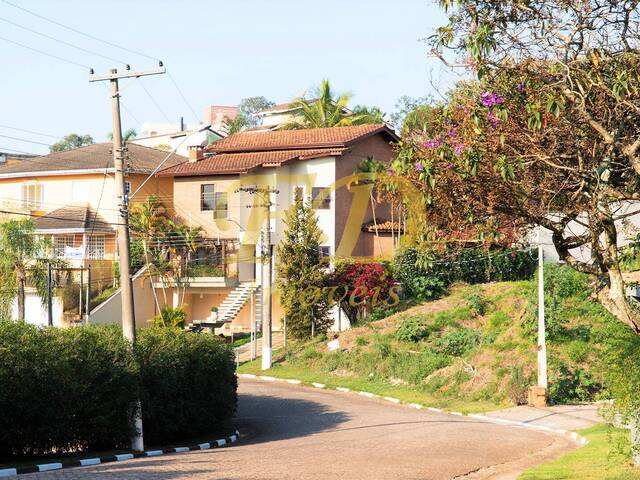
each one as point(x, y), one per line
point(490, 99)
point(453, 133)
point(520, 87)
point(458, 148)
point(451, 166)
point(493, 119)
point(434, 142)
point(419, 167)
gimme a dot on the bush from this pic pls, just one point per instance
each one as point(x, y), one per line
point(569, 386)
point(188, 383)
point(66, 390)
point(458, 342)
point(412, 329)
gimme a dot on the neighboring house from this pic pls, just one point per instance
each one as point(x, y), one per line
point(175, 136)
point(10, 157)
point(216, 115)
point(312, 163)
point(71, 195)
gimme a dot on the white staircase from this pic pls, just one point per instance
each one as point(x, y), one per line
point(229, 308)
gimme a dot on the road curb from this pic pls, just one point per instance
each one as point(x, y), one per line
point(84, 462)
point(573, 436)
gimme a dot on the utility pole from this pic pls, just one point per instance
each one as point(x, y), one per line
point(88, 299)
point(49, 296)
point(122, 230)
point(266, 256)
point(538, 394)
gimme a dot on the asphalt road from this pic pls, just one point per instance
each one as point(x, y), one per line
point(291, 432)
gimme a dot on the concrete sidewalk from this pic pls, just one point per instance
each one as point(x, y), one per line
point(566, 417)
point(243, 353)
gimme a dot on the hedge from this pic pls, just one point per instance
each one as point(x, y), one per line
point(470, 266)
point(70, 390)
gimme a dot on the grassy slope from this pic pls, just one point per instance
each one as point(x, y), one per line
point(472, 351)
point(606, 457)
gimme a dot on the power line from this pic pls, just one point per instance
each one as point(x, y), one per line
point(195, 115)
point(25, 140)
point(63, 42)
point(42, 52)
point(93, 37)
point(57, 137)
point(5, 149)
point(154, 101)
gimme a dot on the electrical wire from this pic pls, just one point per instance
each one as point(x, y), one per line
point(42, 52)
point(25, 140)
point(63, 42)
point(154, 101)
point(93, 37)
point(56, 137)
point(195, 115)
point(5, 149)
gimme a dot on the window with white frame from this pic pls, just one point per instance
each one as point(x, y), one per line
point(61, 244)
point(32, 196)
point(221, 205)
point(95, 247)
point(321, 198)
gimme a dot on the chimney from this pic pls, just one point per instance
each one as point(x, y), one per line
point(196, 153)
point(182, 124)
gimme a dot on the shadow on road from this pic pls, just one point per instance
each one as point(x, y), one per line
point(265, 418)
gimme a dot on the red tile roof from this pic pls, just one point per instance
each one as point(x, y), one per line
point(233, 163)
point(298, 139)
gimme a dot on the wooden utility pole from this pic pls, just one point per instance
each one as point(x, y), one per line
point(49, 295)
point(122, 227)
point(266, 255)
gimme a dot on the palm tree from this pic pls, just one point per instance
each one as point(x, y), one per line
point(129, 134)
point(328, 111)
point(24, 258)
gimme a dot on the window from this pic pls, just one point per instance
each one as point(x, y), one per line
point(221, 205)
point(32, 196)
point(325, 251)
point(207, 198)
point(95, 247)
point(62, 244)
point(321, 198)
point(298, 194)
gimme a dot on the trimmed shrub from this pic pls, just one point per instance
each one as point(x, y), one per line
point(71, 390)
point(64, 390)
point(188, 383)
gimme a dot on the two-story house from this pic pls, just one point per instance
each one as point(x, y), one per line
point(71, 196)
point(314, 163)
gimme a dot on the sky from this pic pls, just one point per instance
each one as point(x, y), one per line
point(218, 52)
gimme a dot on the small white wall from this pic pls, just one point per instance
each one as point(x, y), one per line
point(35, 312)
point(110, 311)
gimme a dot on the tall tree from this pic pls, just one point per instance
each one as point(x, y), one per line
point(24, 259)
point(548, 135)
point(71, 141)
point(301, 272)
point(328, 110)
point(129, 134)
point(250, 106)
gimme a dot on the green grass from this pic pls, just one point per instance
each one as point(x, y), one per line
point(376, 386)
point(606, 457)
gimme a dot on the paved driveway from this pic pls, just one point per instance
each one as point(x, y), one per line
point(290, 432)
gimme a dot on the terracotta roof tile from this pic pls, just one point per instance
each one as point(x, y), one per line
point(78, 217)
point(97, 156)
point(297, 139)
point(232, 163)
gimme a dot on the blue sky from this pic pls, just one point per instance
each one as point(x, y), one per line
point(218, 52)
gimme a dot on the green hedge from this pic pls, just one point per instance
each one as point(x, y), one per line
point(189, 383)
point(425, 278)
point(66, 390)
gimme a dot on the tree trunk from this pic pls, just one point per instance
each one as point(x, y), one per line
point(614, 299)
point(21, 296)
point(634, 427)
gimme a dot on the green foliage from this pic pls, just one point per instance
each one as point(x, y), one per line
point(301, 273)
point(188, 383)
point(412, 329)
point(250, 106)
point(71, 141)
point(570, 385)
point(517, 385)
point(425, 277)
point(478, 302)
point(171, 317)
point(458, 342)
point(64, 390)
point(564, 288)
